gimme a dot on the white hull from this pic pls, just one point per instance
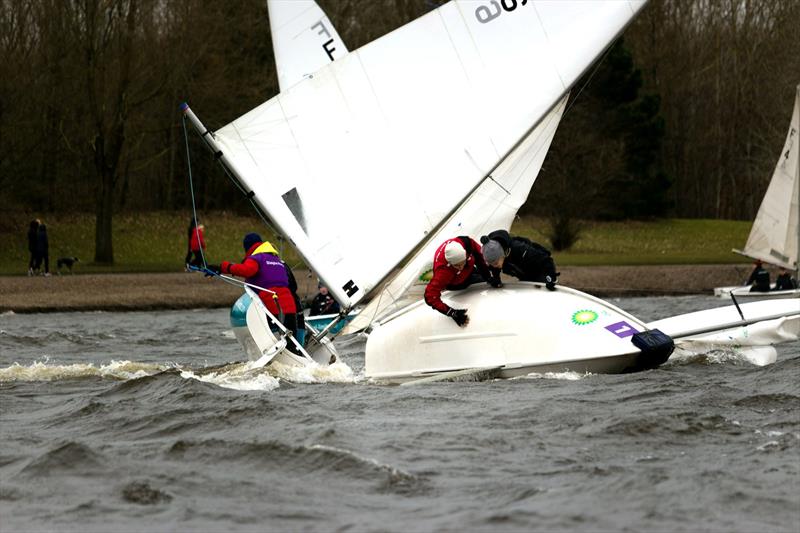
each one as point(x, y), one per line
point(518, 329)
point(765, 332)
point(742, 292)
point(250, 322)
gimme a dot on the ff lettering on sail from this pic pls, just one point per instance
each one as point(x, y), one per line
point(303, 39)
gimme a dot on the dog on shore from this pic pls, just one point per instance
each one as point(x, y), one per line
point(66, 262)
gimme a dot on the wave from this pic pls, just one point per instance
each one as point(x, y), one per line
point(318, 458)
point(44, 371)
point(236, 376)
point(247, 376)
point(237, 379)
point(65, 458)
point(90, 339)
point(719, 355)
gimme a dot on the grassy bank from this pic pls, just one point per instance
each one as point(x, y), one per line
point(659, 242)
point(143, 242)
point(156, 242)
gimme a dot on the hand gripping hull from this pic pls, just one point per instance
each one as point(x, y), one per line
point(515, 330)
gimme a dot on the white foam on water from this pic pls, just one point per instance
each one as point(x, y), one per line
point(237, 377)
point(338, 372)
point(722, 354)
point(565, 376)
point(767, 445)
point(44, 371)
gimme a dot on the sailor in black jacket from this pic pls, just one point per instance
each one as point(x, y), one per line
point(519, 257)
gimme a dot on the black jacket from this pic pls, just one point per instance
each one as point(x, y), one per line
point(32, 239)
point(42, 244)
point(759, 279)
point(784, 282)
point(323, 304)
point(525, 259)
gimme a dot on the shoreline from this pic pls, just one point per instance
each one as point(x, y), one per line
point(181, 290)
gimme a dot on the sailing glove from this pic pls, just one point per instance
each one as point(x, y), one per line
point(550, 281)
point(459, 316)
point(212, 269)
point(495, 282)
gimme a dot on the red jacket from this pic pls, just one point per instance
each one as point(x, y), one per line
point(447, 277)
point(197, 240)
point(248, 268)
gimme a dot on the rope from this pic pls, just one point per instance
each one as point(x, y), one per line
point(191, 190)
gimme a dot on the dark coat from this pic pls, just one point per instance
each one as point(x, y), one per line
point(42, 245)
point(759, 279)
point(784, 282)
point(525, 260)
point(33, 237)
point(323, 304)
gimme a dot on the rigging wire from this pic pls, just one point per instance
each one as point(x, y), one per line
point(591, 75)
point(191, 190)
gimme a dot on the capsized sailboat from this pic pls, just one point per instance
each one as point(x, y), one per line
point(775, 235)
point(419, 135)
point(303, 41)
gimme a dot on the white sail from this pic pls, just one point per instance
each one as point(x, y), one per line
point(303, 39)
point(774, 235)
point(391, 138)
point(492, 206)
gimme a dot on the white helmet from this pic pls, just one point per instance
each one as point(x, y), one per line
point(454, 253)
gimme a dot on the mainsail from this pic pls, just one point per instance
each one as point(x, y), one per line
point(360, 163)
point(303, 39)
point(774, 236)
point(492, 206)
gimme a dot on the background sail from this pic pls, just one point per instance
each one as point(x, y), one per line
point(492, 206)
point(303, 39)
point(359, 164)
point(774, 236)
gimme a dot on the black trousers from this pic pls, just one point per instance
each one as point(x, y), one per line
point(290, 321)
point(38, 262)
point(197, 261)
point(473, 278)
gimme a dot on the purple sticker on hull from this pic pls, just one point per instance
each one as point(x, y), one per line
point(622, 329)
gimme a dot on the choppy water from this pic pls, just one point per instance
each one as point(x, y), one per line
point(137, 421)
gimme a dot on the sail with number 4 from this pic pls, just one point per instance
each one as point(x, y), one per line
point(774, 236)
point(361, 163)
point(303, 39)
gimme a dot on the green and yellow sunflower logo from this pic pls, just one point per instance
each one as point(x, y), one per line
point(583, 317)
point(426, 276)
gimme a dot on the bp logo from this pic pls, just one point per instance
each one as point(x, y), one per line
point(426, 276)
point(583, 317)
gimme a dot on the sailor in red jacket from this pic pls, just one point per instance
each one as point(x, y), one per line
point(454, 267)
point(263, 268)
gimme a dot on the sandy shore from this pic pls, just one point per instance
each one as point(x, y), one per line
point(129, 292)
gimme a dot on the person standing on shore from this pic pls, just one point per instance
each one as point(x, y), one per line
point(457, 264)
point(33, 230)
point(42, 250)
point(519, 257)
point(196, 244)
